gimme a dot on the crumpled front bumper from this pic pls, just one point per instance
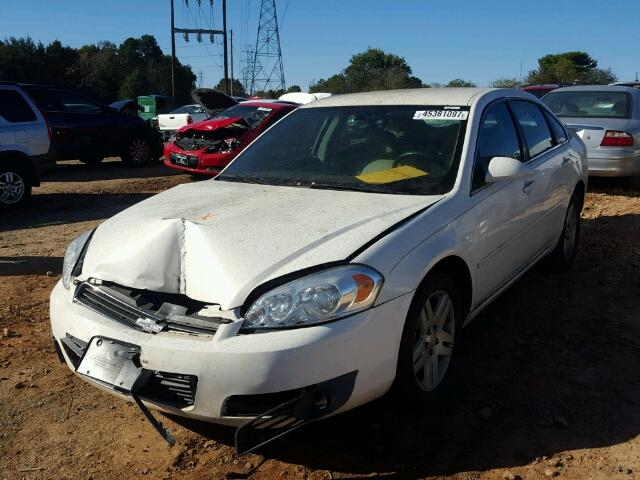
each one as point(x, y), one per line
point(198, 163)
point(229, 364)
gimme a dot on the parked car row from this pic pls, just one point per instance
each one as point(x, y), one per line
point(335, 259)
point(40, 124)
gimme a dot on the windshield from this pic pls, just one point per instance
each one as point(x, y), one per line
point(392, 149)
point(253, 115)
point(589, 104)
point(189, 109)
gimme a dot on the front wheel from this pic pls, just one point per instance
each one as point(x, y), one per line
point(15, 187)
point(430, 340)
point(563, 255)
point(138, 152)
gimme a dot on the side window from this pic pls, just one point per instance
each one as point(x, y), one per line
point(534, 127)
point(76, 104)
point(558, 130)
point(14, 108)
point(497, 138)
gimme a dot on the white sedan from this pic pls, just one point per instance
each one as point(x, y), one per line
point(337, 258)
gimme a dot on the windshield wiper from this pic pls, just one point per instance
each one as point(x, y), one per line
point(352, 188)
point(232, 177)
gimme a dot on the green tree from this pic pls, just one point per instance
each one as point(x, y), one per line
point(458, 82)
point(370, 70)
point(104, 71)
point(238, 88)
point(293, 88)
point(505, 83)
point(570, 67)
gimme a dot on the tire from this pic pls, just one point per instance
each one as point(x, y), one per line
point(634, 182)
point(430, 342)
point(562, 257)
point(15, 186)
point(138, 151)
point(91, 159)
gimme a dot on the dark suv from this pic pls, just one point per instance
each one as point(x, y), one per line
point(89, 131)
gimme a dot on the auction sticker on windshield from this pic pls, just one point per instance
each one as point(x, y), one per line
point(441, 114)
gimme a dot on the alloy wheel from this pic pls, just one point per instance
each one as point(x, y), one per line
point(12, 188)
point(139, 151)
point(433, 345)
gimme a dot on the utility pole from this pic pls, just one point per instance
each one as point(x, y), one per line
point(224, 34)
point(231, 89)
point(198, 32)
point(173, 56)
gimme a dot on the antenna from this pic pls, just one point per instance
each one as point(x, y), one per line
point(267, 72)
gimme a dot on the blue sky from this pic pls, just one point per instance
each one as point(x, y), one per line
point(441, 40)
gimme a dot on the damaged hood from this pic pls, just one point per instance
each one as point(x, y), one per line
point(215, 124)
point(213, 101)
point(216, 241)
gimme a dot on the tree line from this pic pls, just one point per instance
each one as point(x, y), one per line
point(375, 69)
point(104, 71)
point(137, 66)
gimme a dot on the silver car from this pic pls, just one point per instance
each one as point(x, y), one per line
point(607, 118)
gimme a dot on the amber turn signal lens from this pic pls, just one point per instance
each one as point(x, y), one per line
point(365, 287)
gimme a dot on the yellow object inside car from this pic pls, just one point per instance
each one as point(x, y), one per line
point(390, 175)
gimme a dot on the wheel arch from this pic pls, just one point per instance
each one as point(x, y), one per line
point(23, 161)
point(580, 190)
point(454, 266)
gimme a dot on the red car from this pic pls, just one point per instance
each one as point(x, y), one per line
point(205, 148)
point(541, 90)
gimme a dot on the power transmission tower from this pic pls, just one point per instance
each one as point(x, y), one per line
point(267, 72)
point(247, 67)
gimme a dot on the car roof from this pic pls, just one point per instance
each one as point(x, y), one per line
point(413, 96)
point(596, 88)
point(276, 105)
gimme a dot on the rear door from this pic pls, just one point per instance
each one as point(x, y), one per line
point(22, 128)
point(80, 126)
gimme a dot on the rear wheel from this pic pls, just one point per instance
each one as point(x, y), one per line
point(15, 187)
point(430, 340)
point(634, 182)
point(563, 255)
point(138, 151)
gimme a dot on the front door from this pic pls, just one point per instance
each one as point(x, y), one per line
point(503, 243)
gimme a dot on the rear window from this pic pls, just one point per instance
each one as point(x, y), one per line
point(589, 104)
point(14, 108)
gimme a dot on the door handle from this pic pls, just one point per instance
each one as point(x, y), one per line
point(528, 185)
point(565, 160)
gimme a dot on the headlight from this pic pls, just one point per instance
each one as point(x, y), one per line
point(75, 252)
point(314, 299)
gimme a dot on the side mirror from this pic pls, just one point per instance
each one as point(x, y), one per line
point(503, 169)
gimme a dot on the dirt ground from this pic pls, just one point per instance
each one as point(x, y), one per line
point(550, 384)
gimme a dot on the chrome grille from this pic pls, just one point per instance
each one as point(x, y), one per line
point(148, 311)
point(108, 305)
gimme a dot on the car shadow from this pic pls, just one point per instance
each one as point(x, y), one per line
point(60, 208)
point(108, 169)
point(613, 186)
point(551, 366)
point(10, 266)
